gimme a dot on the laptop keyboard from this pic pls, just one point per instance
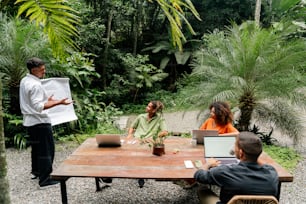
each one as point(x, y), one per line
point(228, 161)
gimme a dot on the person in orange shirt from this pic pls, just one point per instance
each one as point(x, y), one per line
point(221, 119)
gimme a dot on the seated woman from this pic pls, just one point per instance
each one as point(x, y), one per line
point(221, 119)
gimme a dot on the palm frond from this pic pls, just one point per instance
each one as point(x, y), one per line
point(174, 11)
point(57, 19)
point(282, 114)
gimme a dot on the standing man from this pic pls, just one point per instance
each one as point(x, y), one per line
point(248, 177)
point(33, 100)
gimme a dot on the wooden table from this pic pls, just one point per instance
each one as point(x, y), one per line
point(136, 161)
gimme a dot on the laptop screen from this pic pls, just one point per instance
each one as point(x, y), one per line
point(219, 146)
point(108, 140)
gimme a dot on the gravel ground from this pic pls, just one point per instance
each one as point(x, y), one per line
point(23, 190)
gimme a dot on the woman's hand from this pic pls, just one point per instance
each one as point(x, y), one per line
point(163, 133)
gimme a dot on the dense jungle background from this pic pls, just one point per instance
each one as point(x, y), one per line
point(119, 55)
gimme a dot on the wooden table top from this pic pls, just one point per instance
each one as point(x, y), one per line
point(137, 161)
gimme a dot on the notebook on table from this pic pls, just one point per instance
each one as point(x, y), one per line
point(108, 140)
point(199, 134)
point(220, 148)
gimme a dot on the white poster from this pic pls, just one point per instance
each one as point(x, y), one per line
point(59, 88)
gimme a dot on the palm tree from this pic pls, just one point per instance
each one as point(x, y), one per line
point(259, 71)
point(19, 41)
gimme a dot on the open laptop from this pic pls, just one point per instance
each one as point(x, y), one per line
point(199, 134)
point(108, 140)
point(220, 148)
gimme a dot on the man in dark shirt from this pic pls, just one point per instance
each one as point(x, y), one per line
point(246, 177)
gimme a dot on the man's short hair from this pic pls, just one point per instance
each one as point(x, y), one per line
point(34, 62)
point(250, 143)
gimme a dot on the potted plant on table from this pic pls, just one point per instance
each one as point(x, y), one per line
point(157, 142)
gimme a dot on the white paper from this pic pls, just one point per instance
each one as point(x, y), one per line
point(188, 164)
point(59, 88)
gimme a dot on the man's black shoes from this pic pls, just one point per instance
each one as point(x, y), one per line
point(48, 182)
point(35, 175)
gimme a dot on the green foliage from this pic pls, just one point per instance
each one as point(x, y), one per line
point(57, 19)
point(19, 41)
point(247, 65)
point(93, 114)
point(21, 141)
point(286, 157)
point(175, 14)
point(78, 67)
point(142, 74)
point(15, 133)
point(218, 14)
point(266, 138)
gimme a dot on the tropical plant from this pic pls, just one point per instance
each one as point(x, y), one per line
point(57, 19)
point(258, 70)
point(156, 140)
point(266, 138)
point(141, 73)
point(19, 41)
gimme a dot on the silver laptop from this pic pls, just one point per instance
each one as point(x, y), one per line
point(220, 148)
point(199, 134)
point(108, 140)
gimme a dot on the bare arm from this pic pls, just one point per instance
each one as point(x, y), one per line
point(230, 134)
point(130, 133)
point(51, 102)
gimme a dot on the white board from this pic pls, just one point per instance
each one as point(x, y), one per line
point(59, 88)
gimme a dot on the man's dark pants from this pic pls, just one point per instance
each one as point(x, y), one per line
point(42, 154)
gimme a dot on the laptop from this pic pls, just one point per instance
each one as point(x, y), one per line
point(220, 148)
point(199, 134)
point(108, 140)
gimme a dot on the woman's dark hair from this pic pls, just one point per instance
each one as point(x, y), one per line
point(158, 106)
point(222, 112)
point(34, 62)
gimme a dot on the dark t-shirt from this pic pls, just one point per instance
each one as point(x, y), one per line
point(241, 179)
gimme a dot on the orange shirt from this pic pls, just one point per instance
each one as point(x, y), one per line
point(210, 124)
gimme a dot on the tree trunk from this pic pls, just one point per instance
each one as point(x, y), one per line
point(257, 12)
point(137, 25)
point(246, 106)
point(105, 54)
point(4, 187)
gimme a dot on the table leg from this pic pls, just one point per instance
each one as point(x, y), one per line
point(279, 190)
point(98, 188)
point(64, 192)
point(141, 182)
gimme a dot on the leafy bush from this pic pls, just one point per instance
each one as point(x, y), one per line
point(285, 156)
point(15, 133)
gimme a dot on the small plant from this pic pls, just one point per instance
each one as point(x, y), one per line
point(21, 141)
point(156, 140)
point(266, 138)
